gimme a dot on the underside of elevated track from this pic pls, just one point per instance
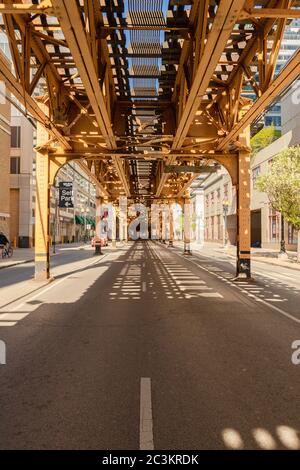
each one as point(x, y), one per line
point(138, 91)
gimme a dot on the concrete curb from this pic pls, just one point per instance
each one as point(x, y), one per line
point(17, 263)
point(253, 258)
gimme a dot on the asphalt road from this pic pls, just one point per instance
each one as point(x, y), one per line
point(146, 348)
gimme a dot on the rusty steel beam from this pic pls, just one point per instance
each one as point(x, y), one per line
point(15, 87)
point(227, 15)
point(69, 17)
point(288, 13)
point(286, 77)
point(44, 8)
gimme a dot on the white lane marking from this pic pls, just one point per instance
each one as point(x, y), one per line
point(214, 295)
point(13, 316)
point(279, 310)
point(261, 268)
point(146, 419)
point(194, 288)
point(263, 273)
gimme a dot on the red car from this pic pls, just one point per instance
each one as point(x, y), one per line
point(104, 241)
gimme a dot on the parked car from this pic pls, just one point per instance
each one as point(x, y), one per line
point(104, 241)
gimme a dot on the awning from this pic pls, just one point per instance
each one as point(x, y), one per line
point(79, 220)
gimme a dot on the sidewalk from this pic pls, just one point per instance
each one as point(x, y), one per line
point(267, 256)
point(26, 255)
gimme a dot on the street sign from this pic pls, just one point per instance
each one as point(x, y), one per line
point(66, 194)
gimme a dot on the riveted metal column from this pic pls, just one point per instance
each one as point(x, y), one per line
point(123, 230)
point(114, 227)
point(187, 225)
point(42, 208)
point(164, 221)
point(99, 202)
point(42, 213)
point(159, 221)
point(243, 210)
point(171, 225)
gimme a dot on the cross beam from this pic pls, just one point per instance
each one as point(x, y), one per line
point(70, 20)
point(288, 13)
point(18, 8)
point(227, 15)
point(15, 87)
point(290, 72)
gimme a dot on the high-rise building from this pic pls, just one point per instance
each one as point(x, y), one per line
point(22, 184)
point(4, 159)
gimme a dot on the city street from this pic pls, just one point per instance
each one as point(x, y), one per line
point(144, 348)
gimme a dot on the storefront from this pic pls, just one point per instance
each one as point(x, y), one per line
point(84, 227)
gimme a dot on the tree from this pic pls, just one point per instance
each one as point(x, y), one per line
point(282, 186)
point(263, 138)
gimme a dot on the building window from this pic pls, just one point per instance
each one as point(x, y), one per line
point(273, 121)
point(206, 201)
point(15, 165)
point(255, 175)
point(212, 196)
point(15, 137)
point(218, 195)
point(292, 235)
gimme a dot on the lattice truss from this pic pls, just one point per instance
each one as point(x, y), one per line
point(128, 87)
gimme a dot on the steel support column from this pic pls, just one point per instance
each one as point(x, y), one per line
point(243, 190)
point(42, 251)
point(171, 226)
point(114, 228)
point(164, 221)
point(187, 226)
point(42, 211)
point(99, 202)
point(123, 230)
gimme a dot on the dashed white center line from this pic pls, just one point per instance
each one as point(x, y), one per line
point(146, 419)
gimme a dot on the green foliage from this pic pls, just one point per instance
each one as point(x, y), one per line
point(282, 184)
point(263, 138)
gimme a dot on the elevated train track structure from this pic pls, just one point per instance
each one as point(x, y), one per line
point(130, 89)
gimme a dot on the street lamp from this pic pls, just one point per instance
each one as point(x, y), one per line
point(225, 214)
